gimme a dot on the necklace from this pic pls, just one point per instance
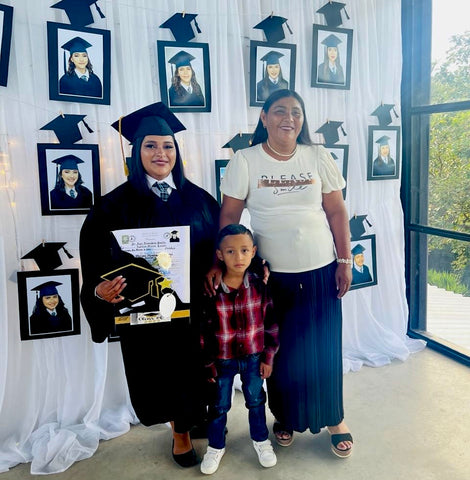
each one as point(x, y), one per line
point(281, 154)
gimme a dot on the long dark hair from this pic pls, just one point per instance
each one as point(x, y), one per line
point(261, 134)
point(40, 307)
point(60, 184)
point(71, 66)
point(176, 82)
point(137, 173)
point(326, 61)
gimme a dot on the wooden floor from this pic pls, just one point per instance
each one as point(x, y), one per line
point(448, 316)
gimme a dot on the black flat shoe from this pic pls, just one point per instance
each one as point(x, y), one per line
point(186, 460)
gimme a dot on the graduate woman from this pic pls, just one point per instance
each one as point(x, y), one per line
point(160, 359)
point(79, 78)
point(184, 90)
point(69, 191)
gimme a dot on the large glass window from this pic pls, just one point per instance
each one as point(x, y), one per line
point(436, 171)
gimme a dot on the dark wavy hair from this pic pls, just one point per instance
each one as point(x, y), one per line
point(137, 172)
point(40, 307)
point(261, 134)
point(326, 61)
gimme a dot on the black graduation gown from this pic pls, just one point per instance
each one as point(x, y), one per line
point(265, 87)
point(60, 200)
point(379, 167)
point(325, 75)
point(41, 321)
point(162, 361)
point(184, 98)
point(72, 85)
point(361, 277)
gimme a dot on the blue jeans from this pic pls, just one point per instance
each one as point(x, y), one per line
point(255, 398)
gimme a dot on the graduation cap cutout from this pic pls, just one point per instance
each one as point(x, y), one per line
point(331, 41)
point(66, 127)
point(46, 255)
point(356, 225)
point(332, 12)
point(46, 288)
point(239, 141)
point(141, 281)
point(329, 130)
point(382, 112)
point(272, 27)
point(180, 26)
point(79, 11)
point(357, 249)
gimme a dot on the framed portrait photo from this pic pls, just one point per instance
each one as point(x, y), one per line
point(6, 22)
point(340, 154)
point(79, 64)
point(184, 74)
point(48, 304)
point(220, 166)
point(364, 267)
point(383, 152)
point(272, 67)
point(331, 57)
point(69, 178)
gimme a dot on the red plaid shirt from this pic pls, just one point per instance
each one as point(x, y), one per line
point(240, 322)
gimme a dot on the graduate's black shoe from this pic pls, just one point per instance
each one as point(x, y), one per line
point(188, 459)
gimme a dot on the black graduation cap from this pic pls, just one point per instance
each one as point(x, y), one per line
point(67, 162)
point(331, 41)
point(180, 26)
point(66, 127)
point(76, 44)
point(329, 130)
point(141, 281)
point(46, 255)
point(181, 59)
point(332, 12)
point(382, 112)
point(383, 140)
point(79, 11)
point(272, 28)
point(356, 225)
point(357, 249)
point(154, 119)
point(46, 288)
point(272, 57)
point(239, 141)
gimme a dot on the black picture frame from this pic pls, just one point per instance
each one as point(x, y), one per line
point(321, 76)
point(201, 68)
point(220, 166)
point(6, 23)
point(65, 87)
point(39, 326)
point(341, 152)
point(377, 169)
point(258, 91)
point(59, 203)
point(369, 274)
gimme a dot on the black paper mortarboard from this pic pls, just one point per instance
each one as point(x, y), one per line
point(272, 27)
point(357, 249)
point(180, 26)
point(46, 288)
point(79, 11)
point(141, 281)
point(154, 119)
point(46, 255)
point(382, 112)
point(329, 130)
point(356, 225)
point(76, 44)
point(66, 127)
point(332, 12)
point(181, 59)
point(239, 141)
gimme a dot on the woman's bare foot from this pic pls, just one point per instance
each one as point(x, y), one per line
point(341, 428)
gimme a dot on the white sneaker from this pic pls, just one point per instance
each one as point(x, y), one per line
point(266, 455)
point(211, 460)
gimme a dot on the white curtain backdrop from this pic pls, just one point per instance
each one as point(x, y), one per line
point(60, 396)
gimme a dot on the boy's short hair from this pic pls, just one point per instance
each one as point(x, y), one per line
point(233, 229)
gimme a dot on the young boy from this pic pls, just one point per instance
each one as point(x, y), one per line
point(239, 335)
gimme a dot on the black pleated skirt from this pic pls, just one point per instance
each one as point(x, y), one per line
point(305, 390)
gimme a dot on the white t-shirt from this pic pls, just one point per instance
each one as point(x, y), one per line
point(284, 199)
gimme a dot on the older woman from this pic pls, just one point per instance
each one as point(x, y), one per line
point(292, 190)
point(163, 356)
